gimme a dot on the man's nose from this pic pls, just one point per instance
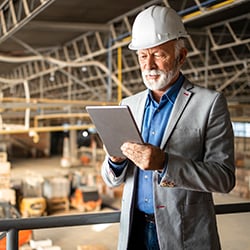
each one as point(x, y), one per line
point(150, 63)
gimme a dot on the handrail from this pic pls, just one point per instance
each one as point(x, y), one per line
point(60, 221)
point(12, 226)
point(232, 208)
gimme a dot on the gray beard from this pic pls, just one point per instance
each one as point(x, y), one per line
point(163, 81)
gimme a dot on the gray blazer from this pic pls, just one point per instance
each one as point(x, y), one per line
point(199, 141)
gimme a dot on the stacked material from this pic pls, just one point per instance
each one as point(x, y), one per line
point(32, 185)
point(32, 202)
point(4, 171)
point(57, 190)
point(56, 187)
point(43, 245)
point(6, 193)
point(91, 247)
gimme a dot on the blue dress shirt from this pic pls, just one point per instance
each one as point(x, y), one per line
point(155, 120)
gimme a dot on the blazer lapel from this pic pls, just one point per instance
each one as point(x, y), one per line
point(139, 109)
point(179, 106)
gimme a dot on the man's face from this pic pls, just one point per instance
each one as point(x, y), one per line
point(159, 65)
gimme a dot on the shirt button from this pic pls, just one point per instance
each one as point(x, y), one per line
point(146, 200)
point(145, 176)
point(153, 132)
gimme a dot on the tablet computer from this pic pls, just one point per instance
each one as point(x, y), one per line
point(115, 125)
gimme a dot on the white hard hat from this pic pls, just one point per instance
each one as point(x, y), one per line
point(154, 26)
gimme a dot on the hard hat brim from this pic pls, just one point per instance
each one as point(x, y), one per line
point(131, 45)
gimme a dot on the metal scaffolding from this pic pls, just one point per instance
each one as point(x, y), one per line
point(97, 65)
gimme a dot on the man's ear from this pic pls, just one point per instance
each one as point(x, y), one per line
point(182, 55)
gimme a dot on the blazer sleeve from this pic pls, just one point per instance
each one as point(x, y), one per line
point(109, 176)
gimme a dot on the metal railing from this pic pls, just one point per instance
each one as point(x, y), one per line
point(12, 226)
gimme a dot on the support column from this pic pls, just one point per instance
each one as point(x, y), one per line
point(73, 148)
point(12, 239)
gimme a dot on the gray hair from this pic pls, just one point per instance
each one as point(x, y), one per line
point(179, 44)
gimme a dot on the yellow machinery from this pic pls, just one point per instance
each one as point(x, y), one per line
point(33, 206)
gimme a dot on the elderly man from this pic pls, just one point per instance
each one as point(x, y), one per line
point(188, 151)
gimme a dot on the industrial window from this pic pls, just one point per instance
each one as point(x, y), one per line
point(241, 129)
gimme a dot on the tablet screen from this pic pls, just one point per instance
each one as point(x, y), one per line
point(115, 125)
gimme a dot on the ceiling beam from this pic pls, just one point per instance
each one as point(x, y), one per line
point(67, 26)
point(231, 80)
point(10, 18)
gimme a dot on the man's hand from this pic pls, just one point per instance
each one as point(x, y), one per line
point(114, 158)
point(117, 159)
point(145, 156)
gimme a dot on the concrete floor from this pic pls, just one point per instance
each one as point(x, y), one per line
point(233, 228)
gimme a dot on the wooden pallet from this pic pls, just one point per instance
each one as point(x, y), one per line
point(91, 247)
point(58, 204)
point(4, 181)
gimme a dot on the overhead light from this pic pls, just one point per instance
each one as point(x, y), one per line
point(35, 136)
point(84, 69)
point(52, 77)
point(85, 133)
point(196, 76)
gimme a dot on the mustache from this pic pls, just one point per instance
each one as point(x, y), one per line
point(152, 72)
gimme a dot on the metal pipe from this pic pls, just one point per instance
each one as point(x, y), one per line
point(94, 218)
point(232, 208)
point(12, 239)
point(44, 129)
point(58, 116)
point(59, 221)
point(56, 101)
point(119, 68)
point(27, 110)
point(109, 86)
point(203, 5)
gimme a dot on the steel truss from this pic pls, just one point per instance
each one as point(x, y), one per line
point(15, 14)
point(89, 67)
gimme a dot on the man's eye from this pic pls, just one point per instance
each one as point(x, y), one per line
point(143, 57)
